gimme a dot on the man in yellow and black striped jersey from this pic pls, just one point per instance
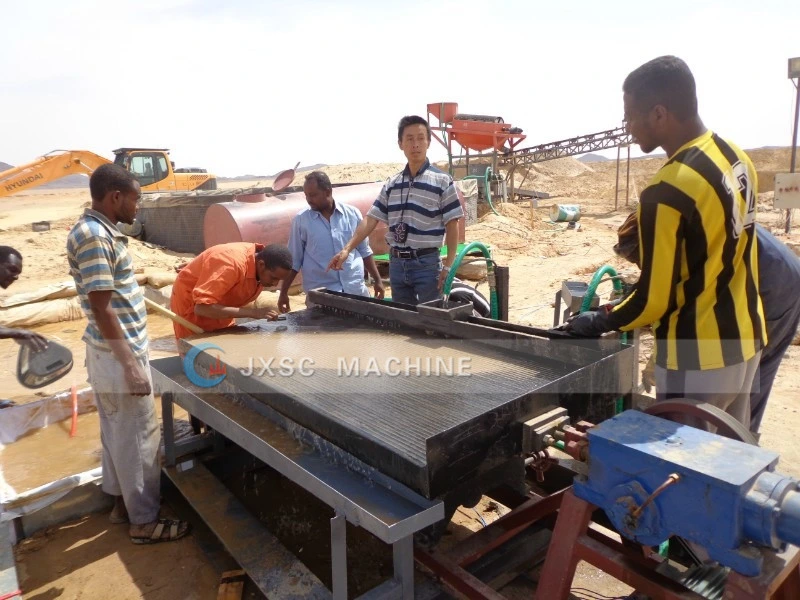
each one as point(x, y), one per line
point(699, 282)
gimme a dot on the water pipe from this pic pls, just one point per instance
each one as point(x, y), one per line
point(587, 303)
point(598, 276)
point(448, 282)
point(486, 186)
point(596, 279)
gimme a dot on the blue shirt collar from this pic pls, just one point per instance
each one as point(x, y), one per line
point(422, 169)
point(337, 207)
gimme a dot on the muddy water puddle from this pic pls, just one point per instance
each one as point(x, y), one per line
point(47, 454)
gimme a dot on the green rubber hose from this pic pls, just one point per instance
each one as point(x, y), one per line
point(448, 282)
point(587, 304)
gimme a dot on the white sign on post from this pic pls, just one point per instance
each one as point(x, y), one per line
point(787, 190)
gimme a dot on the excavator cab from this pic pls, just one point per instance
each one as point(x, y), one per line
point(149, 167)
point(156, 173)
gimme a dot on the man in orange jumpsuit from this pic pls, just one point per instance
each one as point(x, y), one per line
point(212, 290)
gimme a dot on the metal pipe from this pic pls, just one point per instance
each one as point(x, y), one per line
point(673, 478)
point(794, 148)
point(552, 441)
point(501, 282)
point(796, 119)
point(628, 177)
point(616, 184)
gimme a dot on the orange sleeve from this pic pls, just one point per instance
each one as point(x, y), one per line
point(218, 274)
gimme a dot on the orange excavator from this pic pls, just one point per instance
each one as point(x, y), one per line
point(151, 167)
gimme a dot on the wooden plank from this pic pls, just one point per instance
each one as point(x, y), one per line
point(275, 570)
point(231, 585)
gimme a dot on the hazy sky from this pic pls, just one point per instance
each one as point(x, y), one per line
point(248, 86)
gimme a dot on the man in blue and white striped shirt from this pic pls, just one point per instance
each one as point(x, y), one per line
point(422, 208)
point(117, 356)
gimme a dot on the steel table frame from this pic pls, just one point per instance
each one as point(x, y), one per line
point(355, 491)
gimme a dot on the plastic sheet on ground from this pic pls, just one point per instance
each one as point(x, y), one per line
point(17, 421)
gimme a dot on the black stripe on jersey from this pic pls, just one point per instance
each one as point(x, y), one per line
point(752, 291)
point(750, 285)
point(688, 357)
point(668, 194)
point(726, 151)
point(696, 249)
point(662, 331)
point(725, 308)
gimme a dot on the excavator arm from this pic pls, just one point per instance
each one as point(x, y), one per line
point(51, 166)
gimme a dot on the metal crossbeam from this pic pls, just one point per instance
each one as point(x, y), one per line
point(569, 147)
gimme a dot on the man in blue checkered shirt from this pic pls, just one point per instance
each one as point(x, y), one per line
point(421, 206)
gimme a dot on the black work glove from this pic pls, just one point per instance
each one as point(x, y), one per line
point(590, 324)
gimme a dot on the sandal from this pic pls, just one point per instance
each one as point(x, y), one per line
point(116, 517)
point(173, 529)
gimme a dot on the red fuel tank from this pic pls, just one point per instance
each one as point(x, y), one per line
point(270, 221)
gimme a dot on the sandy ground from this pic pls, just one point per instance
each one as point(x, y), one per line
point(86, 559)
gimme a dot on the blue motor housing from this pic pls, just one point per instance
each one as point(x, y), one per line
point(727, 496)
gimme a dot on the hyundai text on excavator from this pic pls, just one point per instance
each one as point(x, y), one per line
point(151, 167)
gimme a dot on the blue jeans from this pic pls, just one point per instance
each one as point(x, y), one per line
point(415, 280)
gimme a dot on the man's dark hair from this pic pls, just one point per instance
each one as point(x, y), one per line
point(275, 256)
point(667, 81)
point(321, 179)
point(8, 251)
point(411, 120)
point(110, 178)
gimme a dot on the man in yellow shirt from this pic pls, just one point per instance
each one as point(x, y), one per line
point(699, 282)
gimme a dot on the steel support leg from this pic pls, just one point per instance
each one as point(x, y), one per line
point(562, 558)
point(169, 429)
point(403, 557)
point(219, 442)
point(339, 557)
point(557, 310)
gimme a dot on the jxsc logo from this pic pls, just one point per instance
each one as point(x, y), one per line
point(217, 369)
